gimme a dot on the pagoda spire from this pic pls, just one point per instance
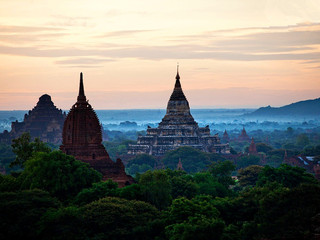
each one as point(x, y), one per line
point(179, 165)
point(178, 84)
point(81, 96)
point(177, 93)
point(253, 147)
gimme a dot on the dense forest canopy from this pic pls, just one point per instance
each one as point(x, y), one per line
point(54, 196)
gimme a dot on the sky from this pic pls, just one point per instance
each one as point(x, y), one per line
point(231, 53)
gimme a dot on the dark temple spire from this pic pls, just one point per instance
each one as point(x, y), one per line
point(177, 91)
point(81, 96)
point(177, 85)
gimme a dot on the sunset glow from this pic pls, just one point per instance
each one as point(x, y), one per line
point(231, 53)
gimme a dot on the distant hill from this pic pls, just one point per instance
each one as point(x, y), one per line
point(308, 108)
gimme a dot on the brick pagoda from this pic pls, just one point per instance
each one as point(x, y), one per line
point(44, 121)
point(177, 128)
point(82, 138)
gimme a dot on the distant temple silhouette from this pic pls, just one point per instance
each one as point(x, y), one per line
point(177, 128)
point(44, 121)
point(243, 136)
point(225, 137)
point(252, 148)
point(82, 138)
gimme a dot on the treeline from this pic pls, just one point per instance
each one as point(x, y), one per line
point(58, 197)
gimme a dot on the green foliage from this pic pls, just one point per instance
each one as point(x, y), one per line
point(24, 148)
point(290, 146)
point(247, 160)
point(287, 214)
point(289, 131)
point(276, 152)
point(262, 147)
point(302, 140)
point(156, 188)
point(249, 176)
point(6, 156)
point(140, 159)
point(193, 219)
point(116, 218)
point(61, 175)
point(285, 175)
point(274, 161)
point(135, 168)
point(233, 151)
point(222, 172)
point(274, 203)
point(311, 151)
point(119, 147)
point(183, 187)
point(140, 164)
point(9, 183)
point(193, 160)
point(182, 184)
point(62, 223)
point(131, 192)
point(239, 146)
point(273, 211)
point(209, 185)
point(20, 212)
point(97, 191)
point(197, 227)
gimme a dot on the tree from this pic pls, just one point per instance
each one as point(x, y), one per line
point(193, 160)
point(140, 159)
point(249, 176)
point(61, 175)
point(131, 192)
point(118, 146)
point(116, 218)
point(289, 131)
point(6, 156)
point(97, 191)
point(248, 160)
point(302, 140)
point(9, 183)
point(209, 185)
point(62, 223)
point(311, 151)
point(262, 147)
point(156, 188)
point(182, 186)
point(135, 168)
point(24, 148)
point(140, 164)
point(233, 151)
point(222, 172)
point(285, 175)
point(21, 211)
point(287, 214)
point(193, 219)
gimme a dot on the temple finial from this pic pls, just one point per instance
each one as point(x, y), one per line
point(81, 96)
point(177, 77)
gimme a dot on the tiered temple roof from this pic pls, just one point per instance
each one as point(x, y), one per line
point(225, 137)
point(177, 128)
point(252, 147)
point(44, 121)
point(244, 136)
point(82, 138)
